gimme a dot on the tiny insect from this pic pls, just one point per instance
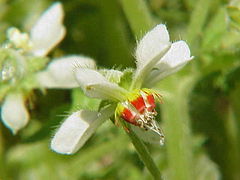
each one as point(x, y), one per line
point(139, 110)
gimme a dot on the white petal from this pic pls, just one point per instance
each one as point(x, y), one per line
point(14, 113)
point(48, 31)
point(177, 56)
point(95, 85)
point(179, 53)
point(74, 132)
point(60, 72)
point(77, 129)
point(143, 71)
point(152, 44)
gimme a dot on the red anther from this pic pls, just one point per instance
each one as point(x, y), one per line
point(151, 102)
point(139, 104)
point(128, 116)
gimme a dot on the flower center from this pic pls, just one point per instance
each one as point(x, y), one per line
point(139, 110)
point(19, 40)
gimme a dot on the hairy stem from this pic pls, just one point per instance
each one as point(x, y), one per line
point(145, 156)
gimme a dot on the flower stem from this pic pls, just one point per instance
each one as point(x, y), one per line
point(145, 155)
point(233, 124)
point(177, 130)
point(198, 18)
point(138, 15)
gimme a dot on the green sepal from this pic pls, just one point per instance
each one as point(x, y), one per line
point(36, 63)
point(126, 78)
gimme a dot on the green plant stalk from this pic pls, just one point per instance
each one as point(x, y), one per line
point(234, 117)
point(145, 155)
point(236, 110)
point(233, 157)
point(115, 30)
point(177, 130)
point(138, 15)
point(198, 18)
point(142, 151)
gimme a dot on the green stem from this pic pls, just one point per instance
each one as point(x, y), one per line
point(112, 15)
point(177, 131)
point(145, 155)
point(234, 133)
point(138, 15)
point(198, 18)
point(233, 157)
point(235, 104)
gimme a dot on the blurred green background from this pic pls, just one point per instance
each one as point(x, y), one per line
point(201, 119)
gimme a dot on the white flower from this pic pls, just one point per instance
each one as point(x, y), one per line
point(156, 57)
point(174, 60)
point(14, 113)
point(60, 72)
point(153, 46)
point(20, 40)
point(47, 32)
point(45, 35)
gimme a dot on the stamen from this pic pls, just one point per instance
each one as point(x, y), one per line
point(154, 127)
point(139, 110)
point(147, 122)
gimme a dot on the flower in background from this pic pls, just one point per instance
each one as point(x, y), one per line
point(60, 72)
point(22, 56)
point(156, 58)
point(47, 32)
